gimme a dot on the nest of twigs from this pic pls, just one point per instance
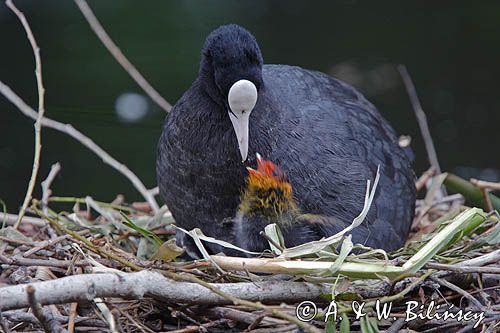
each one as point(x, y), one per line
point(111, 267)
point(114, 267)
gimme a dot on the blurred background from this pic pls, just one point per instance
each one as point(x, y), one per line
point(452, 54)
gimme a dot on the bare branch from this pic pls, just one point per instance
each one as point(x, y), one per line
point(241, 301)
point(12, 218)
point(79, 288)
point(154, 191)
point(487, 199)
point(3, 324)
point(488, 258)
point(424, 178)
point(119, 56)
point(51, 242)
point(41, 109)
point(484, 184)
point(398, 324)
point(46, 191)
point(21, 261)
point(458, 290)
point(24, 317)
point(421, 118)
point(45, 318)
point(463, 269)
point(83, 139)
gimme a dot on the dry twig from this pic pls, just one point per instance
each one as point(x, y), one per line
point(12, 218)
point(24, 317)
point(421, 118)
point(236, 300)
point(458, 290)
point(488, 258)
point(72, 316)
point(424, 178)
point(201, 328)
point(248, 318)
point(485, 184)
point(79, 288)
point(45, 318)
point(119, 56)
point(463, 269)
point(46, 191)
point(83, 139)
point(41, 109)
point(487, 199)
point(41, 245)
point(485, 187)
point(21, 261)
point(3, 324)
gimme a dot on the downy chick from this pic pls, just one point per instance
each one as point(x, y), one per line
point(268, 198)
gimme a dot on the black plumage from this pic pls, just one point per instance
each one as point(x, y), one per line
point(268, 198)
point(325, 135)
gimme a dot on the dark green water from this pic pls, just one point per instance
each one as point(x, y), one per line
point(452, 53)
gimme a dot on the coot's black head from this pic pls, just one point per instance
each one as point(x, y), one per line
point(230, 54)
point(231, 74)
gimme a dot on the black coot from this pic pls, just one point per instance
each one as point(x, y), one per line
point(326, 137)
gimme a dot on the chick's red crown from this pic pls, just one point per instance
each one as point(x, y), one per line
point(268, 175)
